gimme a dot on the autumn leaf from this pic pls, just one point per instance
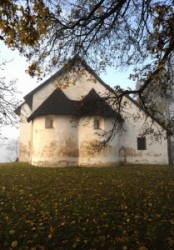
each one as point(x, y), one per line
point(142, 248)
point(12, 231)
point(14, 244)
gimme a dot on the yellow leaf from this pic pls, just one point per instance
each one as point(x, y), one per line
point(14, 244)
point(142, 248)
point(12, 232)
point(172, 222)
point(125, 247)
point(52, 229)
point(50, 236)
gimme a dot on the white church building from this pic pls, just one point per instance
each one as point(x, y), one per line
point(66, 119)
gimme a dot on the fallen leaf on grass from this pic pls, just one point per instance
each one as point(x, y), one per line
point(142, 248)
point(14, 244)
point(11, 232)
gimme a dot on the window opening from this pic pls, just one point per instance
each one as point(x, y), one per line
point(141, 143)
point(48, 122)
point(96, 123)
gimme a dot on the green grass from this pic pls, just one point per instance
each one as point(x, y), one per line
point(128, 207)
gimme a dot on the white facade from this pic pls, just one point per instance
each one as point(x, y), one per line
point(73, 143)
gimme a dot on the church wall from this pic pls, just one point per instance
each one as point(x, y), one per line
point(56, 146)
point(25, 133)
point(91, 152)
point(71, 143)
point(74, 90)
point(134, 126)
point(40, 96)
point(81, 86)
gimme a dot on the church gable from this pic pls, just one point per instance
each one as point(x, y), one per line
point(76, 79)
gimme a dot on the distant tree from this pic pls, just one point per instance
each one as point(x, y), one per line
point(8, 100)
point(158, 96)
point(12, 146)
point(103, 32)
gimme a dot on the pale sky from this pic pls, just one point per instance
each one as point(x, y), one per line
point(15, 69)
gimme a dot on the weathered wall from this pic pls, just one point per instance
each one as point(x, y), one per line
point(55, 146)
point(25, 134)
point(90, 142)
point(156, 152)
point(69, 143)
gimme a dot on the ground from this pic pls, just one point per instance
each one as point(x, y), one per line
point(128, 207)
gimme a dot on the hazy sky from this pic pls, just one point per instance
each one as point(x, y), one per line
point(15, 69)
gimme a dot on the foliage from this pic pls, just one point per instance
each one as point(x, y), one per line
point(128, 207)
point(103, 32)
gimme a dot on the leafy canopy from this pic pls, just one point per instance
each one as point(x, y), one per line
point(103, 32)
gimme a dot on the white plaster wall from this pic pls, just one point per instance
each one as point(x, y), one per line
point(81, 87)
point(25, 134)
point(74, 90)
point(91, 155)
point(69, 143)
point(40, 96)
point(55, 146)
point(156, 152)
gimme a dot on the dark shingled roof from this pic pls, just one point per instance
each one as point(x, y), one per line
point(59, 104)
point(93, 105)
point(56, 103)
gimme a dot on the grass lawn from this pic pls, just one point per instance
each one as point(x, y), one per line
point(129, 207)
